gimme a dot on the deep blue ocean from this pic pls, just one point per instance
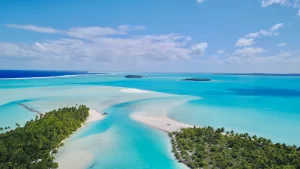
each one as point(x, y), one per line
point(36, 73)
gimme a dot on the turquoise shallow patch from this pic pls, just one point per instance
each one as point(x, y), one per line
point(263, 105)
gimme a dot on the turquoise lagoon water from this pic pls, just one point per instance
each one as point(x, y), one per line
point(125, 143)
point(263, 105)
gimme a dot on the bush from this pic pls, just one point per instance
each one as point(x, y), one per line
point(54, 165)
point(55, 151)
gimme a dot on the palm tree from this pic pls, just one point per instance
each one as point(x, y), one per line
point(254, 137)
point(294, 147)
point(1, 128)
point(269, 141)
point(18, 125)
point(222, 129)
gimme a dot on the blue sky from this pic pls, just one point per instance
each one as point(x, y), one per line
point(150, 35)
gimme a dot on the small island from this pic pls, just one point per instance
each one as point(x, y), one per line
point(32, 146)
point(197, 79)
point(134, 76)
point(209, 148)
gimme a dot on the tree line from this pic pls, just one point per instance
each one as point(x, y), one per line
point(209, 148)
point(29, 147)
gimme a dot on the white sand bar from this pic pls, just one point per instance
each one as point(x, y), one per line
point(94, 116)
point(132, 90)
point(65, 161)
point(161, 123)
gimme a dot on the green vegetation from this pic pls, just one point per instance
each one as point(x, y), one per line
point(134, 76)
point(197, 79)
point(29, 147)
point(209, 148)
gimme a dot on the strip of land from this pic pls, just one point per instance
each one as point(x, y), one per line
point(52, 128)
point(210, 148)
point(94, 116)
point(132, 90)
point(162, 123)
point(29, 108)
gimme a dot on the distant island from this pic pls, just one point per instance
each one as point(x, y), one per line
point(32, 146)
point(134, 76)
point(197, 79)
point(209, 148)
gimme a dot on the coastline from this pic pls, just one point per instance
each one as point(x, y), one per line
point(163, 123)
point(134, 90)
point(157, 116)
point(104, 96)
point(71, 154)
point(66, 161)
point(94, 116)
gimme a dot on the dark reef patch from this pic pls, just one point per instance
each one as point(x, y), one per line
point(265, 91)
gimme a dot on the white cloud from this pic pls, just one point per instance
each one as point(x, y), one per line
point(200, 1)
point(282, 44)
point(127, 28)
point(279, 63)
point(283, 62)
point(248, 39)
point(101, 44)
point(199, 49)
point(273, 31)
point(245, 42)
point(276, 27)
point(81, 32)
point(249, 51)
point(188, 39)
point(91, 32)
point(16, 50)
point(105, 49)
point(266, 3)
point(288, 3)
point(34, 28)
point(220, 52)
point(298, 12)
point(284, 54)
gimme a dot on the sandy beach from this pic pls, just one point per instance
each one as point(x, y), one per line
point(94, 116)
point(69, 156)
point(65, 160)
point(156, 115)
point(161, 123)
point(132, 90)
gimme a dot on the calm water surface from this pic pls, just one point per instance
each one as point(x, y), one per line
point(262, 105)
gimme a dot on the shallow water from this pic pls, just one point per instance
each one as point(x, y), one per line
point(137, 146)
point(120, 142)
point(262, 105)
